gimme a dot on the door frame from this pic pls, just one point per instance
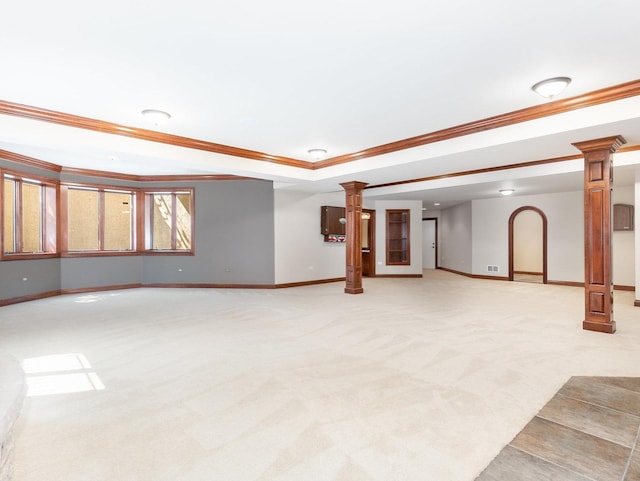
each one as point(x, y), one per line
point(436, 237)
point(544, 240)
point(372, 241)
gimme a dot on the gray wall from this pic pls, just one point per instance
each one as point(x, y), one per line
point(234, 244)
point(92, 272)
point(42, 276)
point(234, 238)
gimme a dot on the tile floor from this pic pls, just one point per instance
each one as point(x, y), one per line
point(587, 432)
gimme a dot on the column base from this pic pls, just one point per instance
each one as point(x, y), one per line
point(606, 327)
point(353, 290)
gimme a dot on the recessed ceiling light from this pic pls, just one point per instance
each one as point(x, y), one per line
point(551, 87)
point(157, 117)
point(507, 191)
point(436, 203)
point(317, 154)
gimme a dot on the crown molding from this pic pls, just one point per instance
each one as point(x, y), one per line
point(630, 148)
point(480, 171)
point(33, 162)
point(605, 95)
point(100, 173)
point(194, 177)
point(30, 161)
point(590, 99)
point(151, 178)
point(23, 159)
point(76, 121)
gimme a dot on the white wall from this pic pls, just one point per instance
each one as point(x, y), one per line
point(455, 238)
point(431, 214)
point(565, 233)
point(415, 237)
point(471, 236)
point(623, 242)
point(301, 254)
point(300, 251)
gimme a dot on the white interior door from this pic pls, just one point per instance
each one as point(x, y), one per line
point(429, 244)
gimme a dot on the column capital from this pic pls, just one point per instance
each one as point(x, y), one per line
point(353, 185)
point(607, 143)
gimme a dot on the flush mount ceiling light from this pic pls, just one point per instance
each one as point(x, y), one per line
point(157, 117)
point(317, 154)
point(551, 87)
point(507, 191)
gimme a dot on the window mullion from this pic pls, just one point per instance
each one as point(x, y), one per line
point(17, 228)
point(150, 205)
point(43, 216)
point(101, 219)
point(174, 221)
point(133, 221)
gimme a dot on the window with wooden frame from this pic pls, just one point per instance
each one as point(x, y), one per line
point(98, 220)
point(29, 211)
point(398, 240)
point(169, 221)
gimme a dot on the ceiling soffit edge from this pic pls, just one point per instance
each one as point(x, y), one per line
point(22, 159)
point(484, 170)
point(32, 162)
point(497, 168)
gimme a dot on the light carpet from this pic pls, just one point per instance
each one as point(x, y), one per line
point(416, 379)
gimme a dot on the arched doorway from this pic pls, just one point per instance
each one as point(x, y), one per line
point(528, 243)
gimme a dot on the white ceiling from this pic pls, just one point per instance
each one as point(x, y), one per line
point(284, 76)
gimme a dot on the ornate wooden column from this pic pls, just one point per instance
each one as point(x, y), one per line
point(353, 213)
point(598, 282)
